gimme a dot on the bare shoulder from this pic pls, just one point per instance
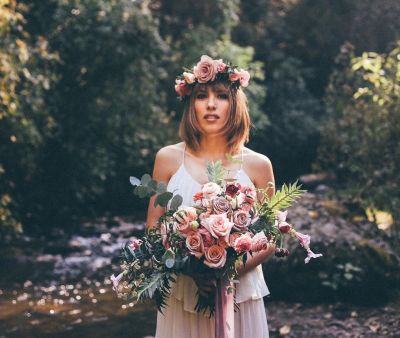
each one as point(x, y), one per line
point(258, 167)
point(167, 161)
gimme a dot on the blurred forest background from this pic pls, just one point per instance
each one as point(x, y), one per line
point(87, 98)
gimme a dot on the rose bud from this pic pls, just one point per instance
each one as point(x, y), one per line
point(279, 252)
point(284, 227)
point(194, 225)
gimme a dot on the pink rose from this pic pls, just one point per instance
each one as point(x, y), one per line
point(205, 70)
point(221, 66)
point(244, 78)
point(194, 243)
point(211, 190)
point(218, 225)
point(198, 196)
point(259, 242)
point(221, 205)
point(181, 88)
point(189, 77)
point(208, 239)
point(215, 257)
point(235, 76)
point(232, 238)
point(241, 220)
point(243, 243)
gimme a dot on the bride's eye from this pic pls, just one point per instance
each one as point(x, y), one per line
point(223, 96)
point(201, 96)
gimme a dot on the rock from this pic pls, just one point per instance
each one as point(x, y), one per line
point(358, 262)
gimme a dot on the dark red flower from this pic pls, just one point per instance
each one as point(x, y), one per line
point(232, 189)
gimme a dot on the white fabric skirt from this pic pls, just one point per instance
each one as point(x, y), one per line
point(180, 320)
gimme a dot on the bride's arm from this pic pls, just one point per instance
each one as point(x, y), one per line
point(161, 173)
point(263, 178)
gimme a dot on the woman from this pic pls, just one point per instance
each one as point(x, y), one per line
point(215, 122)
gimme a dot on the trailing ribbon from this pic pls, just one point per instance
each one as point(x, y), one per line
point(224, 310)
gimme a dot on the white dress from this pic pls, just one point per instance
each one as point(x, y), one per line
point(179, 318)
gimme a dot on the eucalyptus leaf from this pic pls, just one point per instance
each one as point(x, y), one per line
point(176, 202)
point(161, 187)
point(146, 178)
point(134, 181)
point(141, 191)
point(152, 185)
point(163, 199)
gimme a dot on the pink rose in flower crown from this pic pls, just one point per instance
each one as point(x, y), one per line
point(244, 78)
point(218, 225)
point(215, 257)
point(194, 243)
point(189, 77)
point(221, 66)
point(181, 88)
point(235, 76)
point(259, 242)
point(241, 220)
point(243, 243)
point(211, 190)
point(205, 70)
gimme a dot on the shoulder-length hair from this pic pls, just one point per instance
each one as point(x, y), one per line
point(237, 128)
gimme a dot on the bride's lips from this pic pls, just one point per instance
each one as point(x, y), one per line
point(211, 117)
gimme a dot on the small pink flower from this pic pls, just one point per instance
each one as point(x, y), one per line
point(198, 196)
point(283, 226)
point(235, 76)
point(243, 243)
point(205, 70)
point(221, 66)
point(303, 239)
point(244, 78)
point(310, 255)
point(135, 243)
point(189, 77)
point(215, 257)
point(232, 238)
point(116, 280)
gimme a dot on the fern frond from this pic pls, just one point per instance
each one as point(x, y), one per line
point(150, 285)
point(285, 197)
point(215, 172)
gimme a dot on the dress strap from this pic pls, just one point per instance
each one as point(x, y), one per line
point(183, 155)
point(241, 163)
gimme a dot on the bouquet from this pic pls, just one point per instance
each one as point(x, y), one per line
point(225, 224)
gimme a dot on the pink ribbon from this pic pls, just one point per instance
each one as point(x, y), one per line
point(224, 310)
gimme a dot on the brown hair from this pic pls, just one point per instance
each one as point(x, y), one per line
point(237, 128)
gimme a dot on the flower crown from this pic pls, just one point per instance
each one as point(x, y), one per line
point(208, 70)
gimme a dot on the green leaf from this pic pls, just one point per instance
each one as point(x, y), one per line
point(176, 202)
point(134, 180)
point(141, 191)
point(163, 199)
point(215, 172)
point(161, 187)
point(146, 178)
point(285, 197)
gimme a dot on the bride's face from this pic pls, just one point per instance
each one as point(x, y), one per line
point(212, 107)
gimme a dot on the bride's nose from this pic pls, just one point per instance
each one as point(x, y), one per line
point(211, 104)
